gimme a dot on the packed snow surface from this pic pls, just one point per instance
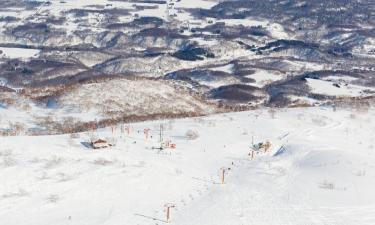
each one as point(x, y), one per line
point(337, 89)
point(14, 53)
point(319, 170)
point(263, 77)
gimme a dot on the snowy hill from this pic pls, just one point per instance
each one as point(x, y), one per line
point(232, 54)
point(319, 170)
point(201, 112)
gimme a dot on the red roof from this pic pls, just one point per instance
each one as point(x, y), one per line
point(99, 141)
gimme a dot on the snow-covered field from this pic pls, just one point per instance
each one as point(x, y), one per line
point(135, 97)
point(66, 65)
point(320, 170)
point(341, 89)
point(122, 98)
point(14, 53)
point(263, 77)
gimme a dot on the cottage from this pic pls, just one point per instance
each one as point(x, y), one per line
point(262, 146)
point(99, 143)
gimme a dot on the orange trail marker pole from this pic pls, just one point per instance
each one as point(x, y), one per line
point(168, 211)
point(223, 170)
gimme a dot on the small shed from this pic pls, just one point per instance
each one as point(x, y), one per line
point(262, 146)
point(99, 143)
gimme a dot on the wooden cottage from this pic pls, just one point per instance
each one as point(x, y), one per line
point(262, 146)
point(99, 143)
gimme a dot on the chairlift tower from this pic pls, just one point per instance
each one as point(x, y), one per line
point(161, 134)
point(161, 139)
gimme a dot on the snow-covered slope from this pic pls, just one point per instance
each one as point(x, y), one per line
point(319, 170)
point(107, 100)
point(18, 53)
point(122, 97)
point(224, 49)
point(338, 89)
